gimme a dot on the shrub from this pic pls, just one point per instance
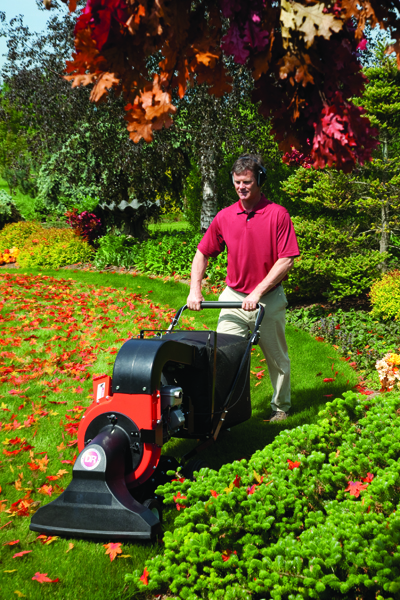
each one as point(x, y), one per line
point(8, 210)
point(165, 254)
point(54, 248)
point(313, 515)
point(385, 296)
point(85, 224)
point(44, 247)
point(15, 234)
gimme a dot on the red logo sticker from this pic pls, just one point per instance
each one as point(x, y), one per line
point(90, 459)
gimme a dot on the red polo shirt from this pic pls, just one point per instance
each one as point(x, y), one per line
point(255, 241)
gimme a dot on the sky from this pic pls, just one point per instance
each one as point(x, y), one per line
point(34, 18)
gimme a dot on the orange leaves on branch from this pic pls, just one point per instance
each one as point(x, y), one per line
point(113, 549)
point(151, 111)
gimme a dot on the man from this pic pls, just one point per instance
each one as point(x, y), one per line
point(261, 246)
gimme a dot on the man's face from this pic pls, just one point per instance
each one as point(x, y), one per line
point(246, 186)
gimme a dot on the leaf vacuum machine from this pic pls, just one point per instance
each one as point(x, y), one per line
point(175, 383)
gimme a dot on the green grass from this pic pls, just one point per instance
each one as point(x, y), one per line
point(24, 203)
point(85, 570)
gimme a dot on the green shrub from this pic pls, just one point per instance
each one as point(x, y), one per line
point(164, 254)
point(8, 210)
point(385, 296)
point(313, 515)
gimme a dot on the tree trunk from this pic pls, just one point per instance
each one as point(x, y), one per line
point(385, 234)
point(209, 185)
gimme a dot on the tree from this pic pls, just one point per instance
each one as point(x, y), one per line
point(81, 150)
point(303, 57)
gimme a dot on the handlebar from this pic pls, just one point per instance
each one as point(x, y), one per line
point(219, 305)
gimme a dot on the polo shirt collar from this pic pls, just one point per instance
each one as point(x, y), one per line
point(259, 208)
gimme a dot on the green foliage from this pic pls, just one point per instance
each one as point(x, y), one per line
point(165, 254)
point(271, 529)
point(357, 335)
point(8, 210)
point(385, 296)
point(332, 261)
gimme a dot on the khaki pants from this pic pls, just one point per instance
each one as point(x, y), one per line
point(272, 337)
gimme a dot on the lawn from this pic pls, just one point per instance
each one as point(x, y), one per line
point(58, 328)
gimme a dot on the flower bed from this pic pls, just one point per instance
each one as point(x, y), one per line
point(313, 515)
point(361, 338)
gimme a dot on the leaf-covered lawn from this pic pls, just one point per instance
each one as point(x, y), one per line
point(54, 335)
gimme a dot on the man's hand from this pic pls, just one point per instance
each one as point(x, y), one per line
point(199, 267)
point(194, 299)
point(250, 302)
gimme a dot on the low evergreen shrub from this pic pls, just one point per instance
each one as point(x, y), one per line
point(313, 515)
point(385, 296)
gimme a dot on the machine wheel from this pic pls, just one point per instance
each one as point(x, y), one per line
point(193, 465)
point(155, 506)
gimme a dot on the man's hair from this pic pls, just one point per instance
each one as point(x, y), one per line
point(248, 162)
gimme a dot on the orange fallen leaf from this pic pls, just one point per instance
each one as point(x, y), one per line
point(112, 549)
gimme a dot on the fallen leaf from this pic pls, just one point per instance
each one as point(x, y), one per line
point(22, 553)
point(145, 577)
point(42, 578)
point(112, 549)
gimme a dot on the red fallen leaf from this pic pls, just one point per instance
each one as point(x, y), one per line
point(355, 487)
point(328, 395)
point(227, 554)
point(145, 577)
point(22, 553)
point(368, 478)
point(33, 467)
point(181, 479)
point(236, 481)
point(45, 489)
point(69, 462)
point(214, 494)
point(112, 549)
point(5, 524)
point(179, 497)
point(251, 490)
point(12, 543)
point(319, 339)
point(328, 379)
point(293, 465)
point(42, 578)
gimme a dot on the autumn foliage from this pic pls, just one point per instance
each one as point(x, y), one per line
point(303, 57)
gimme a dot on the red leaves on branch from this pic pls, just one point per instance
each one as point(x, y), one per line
point(304, 59)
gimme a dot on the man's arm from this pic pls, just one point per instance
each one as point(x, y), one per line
point(275, 276)
point(199, 266)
